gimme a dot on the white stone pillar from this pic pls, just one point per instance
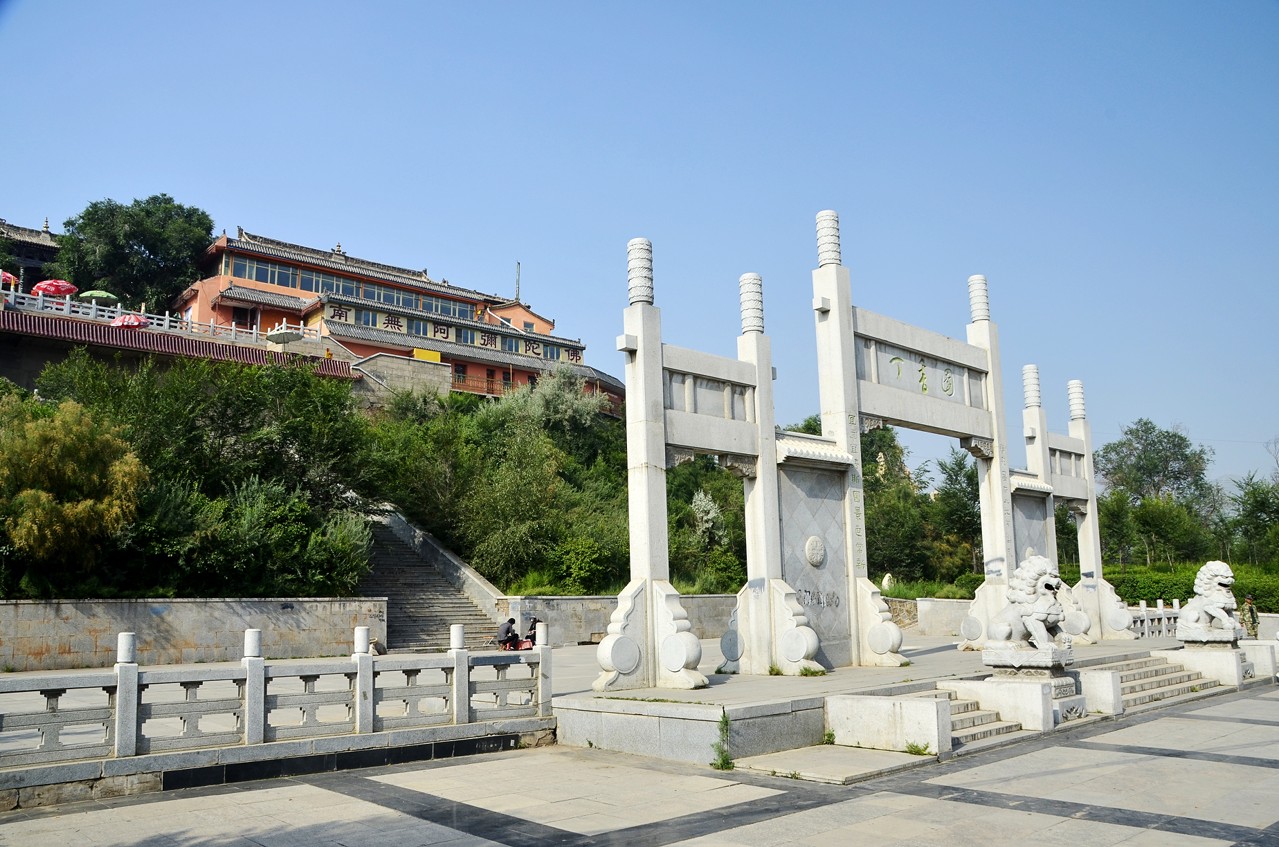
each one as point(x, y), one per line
point(362, 685)
point(875, 640)
point(1035, 431)
point(993, 480)
point(1106, 610)
point(460, 677)
point(126, 695)
point(253, 694)
point(650, 640)
point(457, 636)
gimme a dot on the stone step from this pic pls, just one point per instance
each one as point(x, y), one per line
point(982, 731)
point(1172, 675)
point(422, 604)
point(1151, 695)
point(973, 718)
point(1126, 665)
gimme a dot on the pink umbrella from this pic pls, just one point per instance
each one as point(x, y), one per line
point(130, 320)
point(8, 279)
point(54, 288)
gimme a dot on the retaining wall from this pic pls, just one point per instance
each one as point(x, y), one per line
point(62, 634)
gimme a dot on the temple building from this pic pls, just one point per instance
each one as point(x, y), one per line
point(357, 309)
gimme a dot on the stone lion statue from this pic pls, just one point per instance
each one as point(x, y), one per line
point(1035, 614)
point(1213, 606)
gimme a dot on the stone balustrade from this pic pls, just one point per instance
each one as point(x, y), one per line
point(131, 711)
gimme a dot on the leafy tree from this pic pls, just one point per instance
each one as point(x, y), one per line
point(1256, 503)
point(1169, 531)
point(1149, 461)
point(954, 518)
point(219, 424)
point(68, 484)
point(1115, 523)
point(146, 251)
point(1067, 535)
point(811, 425)
point(7, 260)
point(512, 516)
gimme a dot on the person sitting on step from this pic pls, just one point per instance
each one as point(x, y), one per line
point(507, 635)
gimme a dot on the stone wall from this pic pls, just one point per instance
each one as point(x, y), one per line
point(62, 634)
point(584, 620)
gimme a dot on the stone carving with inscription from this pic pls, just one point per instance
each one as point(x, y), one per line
point(1210, 614)
point(1035, 617)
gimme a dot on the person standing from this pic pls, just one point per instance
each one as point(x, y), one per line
point(1251, 620)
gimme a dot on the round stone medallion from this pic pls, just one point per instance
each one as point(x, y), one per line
point(1076, 623)
point(798, 644)
point(970, 628)
point(1118, 618)
point(730, 645)
point(618, 653)
point(681, 650)
point(884, 637)
point(815, 551)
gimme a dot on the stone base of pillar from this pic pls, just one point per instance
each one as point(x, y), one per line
point(768, 632)
point(879, 639)
point(650, 642)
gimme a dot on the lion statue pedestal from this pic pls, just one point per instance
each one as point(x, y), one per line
point(1030, 640)
point(1208, 618)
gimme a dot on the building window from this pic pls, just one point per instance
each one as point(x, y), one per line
point(244, 318)
point(365, 317)
point(510, 345)
point(551, 351)
point(465, 336)
point(528, 326)
point(459, 374)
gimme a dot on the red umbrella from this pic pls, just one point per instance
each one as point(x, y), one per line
point(54, 288)
point(8, 279)
point(130, 320)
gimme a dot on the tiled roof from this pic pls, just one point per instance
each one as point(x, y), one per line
point(342, 263)
point(161, 343)
point(400, 341)
point(244, 294)
point(13, 232)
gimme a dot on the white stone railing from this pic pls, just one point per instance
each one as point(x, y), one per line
point(1159, 622)
point(69, 307)
point(51, 717)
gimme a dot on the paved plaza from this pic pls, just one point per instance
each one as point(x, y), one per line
point(1204, 772)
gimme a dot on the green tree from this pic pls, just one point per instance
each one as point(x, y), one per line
point(1256, 503)
point(1168, 531)
point(1149, 461)
point(954, 518)
point(1115, 523)
point(145, 252)
point(68, 485)
point(7, 261)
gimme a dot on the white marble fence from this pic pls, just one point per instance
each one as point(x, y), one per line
point(1157, 622)
point(53, 717)
point(70, 307)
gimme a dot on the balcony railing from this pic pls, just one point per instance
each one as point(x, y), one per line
point(71, 308)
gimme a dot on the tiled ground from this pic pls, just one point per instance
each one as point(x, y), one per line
point(1206, 773)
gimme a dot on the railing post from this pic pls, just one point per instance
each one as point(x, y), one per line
point(1145, 621)
point(461, 699)
point(543, 650)
point(362, 696)
point(126, 694)
point(254, 692)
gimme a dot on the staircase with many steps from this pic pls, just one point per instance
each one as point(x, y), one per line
point(420, 603)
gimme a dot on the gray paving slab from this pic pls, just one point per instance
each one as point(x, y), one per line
point(1124, 782)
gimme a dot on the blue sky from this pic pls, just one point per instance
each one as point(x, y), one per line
point(1112, 168)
